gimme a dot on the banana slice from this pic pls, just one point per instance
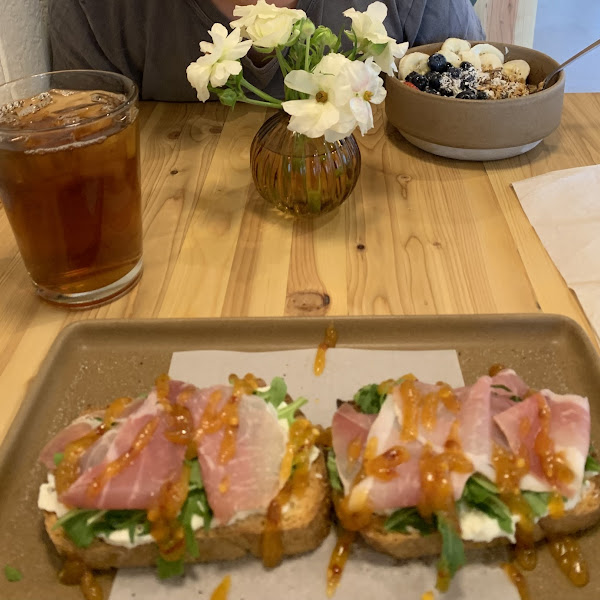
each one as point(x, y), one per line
point(415, 61)
point(488, 49)
point(490, 62)
point(451, 57)
point(516, 70)
point(470, 56)
point(456, 45)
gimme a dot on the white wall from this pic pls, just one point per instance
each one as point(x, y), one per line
point(23, 40)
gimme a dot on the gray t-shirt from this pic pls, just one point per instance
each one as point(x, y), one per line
point(153, 41)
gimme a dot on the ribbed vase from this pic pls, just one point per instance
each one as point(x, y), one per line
point(302, 176)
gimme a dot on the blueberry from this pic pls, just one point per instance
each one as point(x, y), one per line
point(454, 72)
point(419, 81)
point(430, 90)
point(481, 95)
point(467, 95)
point(466, 65)
point(433, 80)
point(437, 62)
point(446, 92)
point(410, 76)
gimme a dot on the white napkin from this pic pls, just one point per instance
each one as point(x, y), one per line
point(564, 209)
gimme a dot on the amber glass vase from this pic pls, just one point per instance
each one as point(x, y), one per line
point(302, 176)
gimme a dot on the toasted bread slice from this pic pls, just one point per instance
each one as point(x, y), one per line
point(414, 545)
point(305, 523)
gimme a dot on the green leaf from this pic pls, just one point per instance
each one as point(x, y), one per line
point(57, 458)
point(400, 520)
point(276, 393)
point(196, 503)
point(501, 387)
point(82, 526)
point(78, 526)
point(453, 550)
point(168, 569)
point(334, 476)
point(196, 482)
point(289, 410)
point(538, 502)
point(12, 574)
point(368, 399)
point(482, 494)
point(591, 464)
point(516, 398)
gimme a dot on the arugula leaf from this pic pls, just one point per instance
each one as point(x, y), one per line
point(368, 399)
point(591, 464)
point(499, 386)
point(538, 502)
point(12, 574)
point(482, 494)
point(168, 568)
point(276, 393)
point(195, 474)
point(334, 476)
point(196, 503)
point(57, 458)
point(514, 398)
point(400, 520)
point(453, 550)
point(78, 527)
point(83, 525)
point(288, 411)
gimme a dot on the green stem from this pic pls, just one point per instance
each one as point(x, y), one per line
point(269, 99)
point(247, 100)
point(285, 68)
point(307, 55)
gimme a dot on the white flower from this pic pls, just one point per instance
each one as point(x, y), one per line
point(367, 88)
point(326, 112)
point(265, 24)
point(371, 33)
point(369, 25)
point(221, 59)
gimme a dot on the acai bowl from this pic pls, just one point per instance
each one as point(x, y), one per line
point(474, 127)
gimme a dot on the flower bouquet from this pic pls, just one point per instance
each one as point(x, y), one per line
point(304, 159)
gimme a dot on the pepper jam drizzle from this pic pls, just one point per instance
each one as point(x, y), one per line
point(68, 471)
point(517, 579)
point(222, 590)
point(329, 341)
point(294, 475)
point(74, 572)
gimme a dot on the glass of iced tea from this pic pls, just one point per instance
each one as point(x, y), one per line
point(70, 183)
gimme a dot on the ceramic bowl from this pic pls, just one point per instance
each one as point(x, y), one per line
point(478, 129)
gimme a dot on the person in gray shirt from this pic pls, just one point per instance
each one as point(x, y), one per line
point(153, 41)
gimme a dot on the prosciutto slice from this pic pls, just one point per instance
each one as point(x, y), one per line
point(500, 410)
point(569, 430)
point(139, 483)
point(75, 431)
point(251, 479)
point(405, 488)
point(349, 431)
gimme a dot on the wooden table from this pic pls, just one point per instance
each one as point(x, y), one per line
point(420, 235)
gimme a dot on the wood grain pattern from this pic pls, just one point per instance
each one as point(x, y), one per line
point(508, 21)
point(420, 235)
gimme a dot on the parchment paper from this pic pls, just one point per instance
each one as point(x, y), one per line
point(564, 209)
point(367, 573)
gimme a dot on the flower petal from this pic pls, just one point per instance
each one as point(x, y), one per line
point(301, 81)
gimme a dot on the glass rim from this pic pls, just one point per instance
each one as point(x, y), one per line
point(130, 98)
